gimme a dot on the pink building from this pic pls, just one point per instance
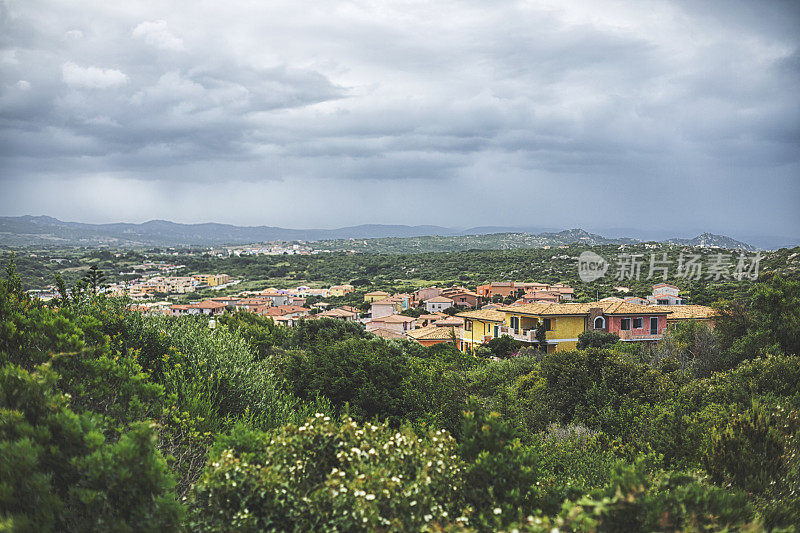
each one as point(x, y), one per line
point(642, 325)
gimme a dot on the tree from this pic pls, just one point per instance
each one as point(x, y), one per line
point(94, 279)
point(13, 282)
point(61, 286)
point(503, 347)
point(58, 472)
point(594, 339)
point(776, 308)
point(541, 336)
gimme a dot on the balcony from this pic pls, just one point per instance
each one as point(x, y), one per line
point(639, 336)
point(524, 335)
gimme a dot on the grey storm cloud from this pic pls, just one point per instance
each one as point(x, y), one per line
point(611, 102)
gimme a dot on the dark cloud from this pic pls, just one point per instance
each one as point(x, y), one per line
point(393, 110)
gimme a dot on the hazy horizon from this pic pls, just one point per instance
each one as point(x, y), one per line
point(668, 117)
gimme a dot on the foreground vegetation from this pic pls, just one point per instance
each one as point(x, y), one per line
point(115, 421)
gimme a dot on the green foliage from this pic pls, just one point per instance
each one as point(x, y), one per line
point(58, 472)
point(748, 453)
point(675, 501)
point(501, 472)
point(504, 346)
point(541, 336)
point(776, 310)
point(695, 348)
point(329, 476)
point(595, 339)
point(260, 332)
point(94, 279)
point(368, 374)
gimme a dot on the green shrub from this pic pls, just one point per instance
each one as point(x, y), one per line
point(329, 476)
point(674, 501)
point(596, 339)
point(59, 473)
point(748, 453)
point(504, 347)
point(501, 473)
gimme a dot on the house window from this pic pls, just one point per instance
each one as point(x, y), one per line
point(626, 324)
point(515, 324)
point(637, 323)
point(468, 325)
point(599, 323)
point(548, 325)
point(653, 325)
point(496, 331)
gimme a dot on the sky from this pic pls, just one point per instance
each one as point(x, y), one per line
point(657, 115)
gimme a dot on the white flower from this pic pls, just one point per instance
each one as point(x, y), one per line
point(370, 496)
point(497, 510)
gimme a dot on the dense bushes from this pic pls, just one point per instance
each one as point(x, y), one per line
point(329, 476)
point(58, 472)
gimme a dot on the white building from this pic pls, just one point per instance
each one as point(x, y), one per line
point(438, 303)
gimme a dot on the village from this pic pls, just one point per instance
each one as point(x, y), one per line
point(535, 314)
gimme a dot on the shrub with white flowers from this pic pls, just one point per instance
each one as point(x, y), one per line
point(330, 476)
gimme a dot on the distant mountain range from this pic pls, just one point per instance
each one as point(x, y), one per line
point(709, 240)
point(26, 231)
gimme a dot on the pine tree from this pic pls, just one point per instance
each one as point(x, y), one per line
point(541, 337)
point(94, 279)
point(12, 282)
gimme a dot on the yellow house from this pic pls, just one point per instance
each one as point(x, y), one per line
point(212, 280)
point(481, 326)
point(340, 290)
point(377, 295)
point(563, 323)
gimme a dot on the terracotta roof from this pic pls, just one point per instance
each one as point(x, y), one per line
point(467, 292)
point(433, 333)
point(250, 301)
point(394, 319)
point(386, 333)
point(377, 293)
point(576, 309)
point(686, 312)
point(439, 299)
point(293, 308)
point(434, 316)
point(208, 304)
point(488, 315)
point(451, 321)
point(338, 313)
point(284, 310)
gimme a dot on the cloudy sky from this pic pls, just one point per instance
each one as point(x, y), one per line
point(677, 115)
